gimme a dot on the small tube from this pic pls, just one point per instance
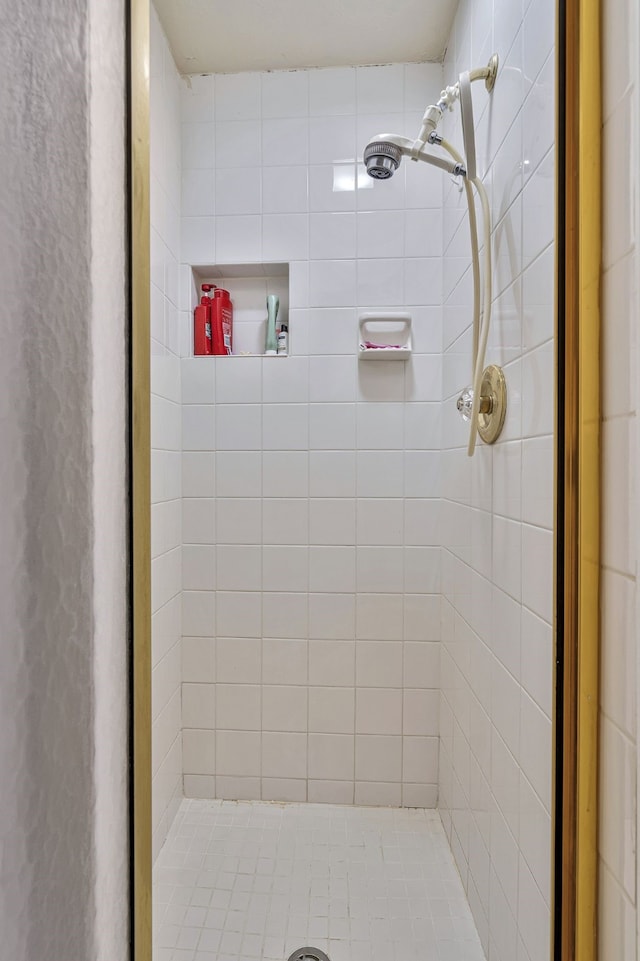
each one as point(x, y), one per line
point(475, 255)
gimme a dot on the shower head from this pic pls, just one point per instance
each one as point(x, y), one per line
point(383, 154)
point(382, 159)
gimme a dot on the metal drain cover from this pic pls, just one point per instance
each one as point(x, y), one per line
point(308, 954)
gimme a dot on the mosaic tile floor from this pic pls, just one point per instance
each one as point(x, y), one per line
point(237, 881)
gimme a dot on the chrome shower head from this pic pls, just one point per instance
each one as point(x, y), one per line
point(382, 159)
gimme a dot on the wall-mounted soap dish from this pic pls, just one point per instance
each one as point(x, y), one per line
point(384, 336)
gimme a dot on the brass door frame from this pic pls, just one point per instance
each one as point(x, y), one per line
point(578, 480)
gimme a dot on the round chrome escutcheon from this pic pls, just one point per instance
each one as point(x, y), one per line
point(308, 954)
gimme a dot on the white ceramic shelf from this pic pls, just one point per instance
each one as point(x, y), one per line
point(388, 333)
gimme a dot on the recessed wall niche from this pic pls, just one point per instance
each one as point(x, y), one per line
point(248, 286)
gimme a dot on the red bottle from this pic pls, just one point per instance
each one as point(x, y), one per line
point(202, 342)
point(221, 322)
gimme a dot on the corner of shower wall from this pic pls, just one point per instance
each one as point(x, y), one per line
point(497, 530)
point(166, 437)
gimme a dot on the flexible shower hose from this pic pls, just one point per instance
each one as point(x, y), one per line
point(480, 328)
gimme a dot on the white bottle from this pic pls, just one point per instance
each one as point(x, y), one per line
point(283, 339)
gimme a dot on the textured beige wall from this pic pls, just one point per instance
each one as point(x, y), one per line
point(109, 405)
point(60, 798)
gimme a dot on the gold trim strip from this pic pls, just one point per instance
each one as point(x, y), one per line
point(590, 258)
point(582, 479)
point(141, 480)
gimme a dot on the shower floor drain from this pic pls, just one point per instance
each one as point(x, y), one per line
point(308, 954)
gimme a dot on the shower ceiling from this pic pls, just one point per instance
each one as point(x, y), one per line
point(218, 36)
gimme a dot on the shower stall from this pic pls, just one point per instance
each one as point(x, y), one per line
point(352, 619)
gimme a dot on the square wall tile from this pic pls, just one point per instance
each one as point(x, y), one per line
point(285, 426)
point(237, 145)
point(198, 659)
point(381, 233)
point(380, 88)
point(332, 521)
point(331, 710)
point(379, 664)
point(198, 706)
point(332, 236)
point(238, 473)
point(378, 758)
point(284, 755)
point(380, 522)
point(198, 567)
point(285, 94)
point(198, 427)
point(239, 520)
point(285, 139)
point(238, 238)
point(238, 382)
point(238, 191)
point(380, 569)
point(332, 473)
point(332, 92)
point(285, 473)
point(285, 568)
point(238, 753)
point(332, 616)
point(331, 756)
point(284, 708)
point(238, 660)
point(421, 665)
point(237, 96)
point(379, 617)
point(378, 711)
point(239, 567)
point(238, 614)
point(332, 426)
point(332, 283)
point(285, 615)
point(284, 661)
point(238, 707)
point(419, 759)
point(332, 569)
point(285, 236)
point(285, 521)
point(198, 613)
point(285, 190)
point(420, 712)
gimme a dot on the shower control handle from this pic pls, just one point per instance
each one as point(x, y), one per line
point(493, 404)
point(465, 404)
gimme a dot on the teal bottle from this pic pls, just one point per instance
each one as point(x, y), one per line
point(271, 343)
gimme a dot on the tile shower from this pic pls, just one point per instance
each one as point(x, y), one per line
point(346, 609)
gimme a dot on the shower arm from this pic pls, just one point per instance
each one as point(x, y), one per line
point(434, 113)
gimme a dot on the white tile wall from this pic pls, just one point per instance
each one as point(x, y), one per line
point(497, 510)
point(618, 701)
point(311, 486)
point(166, 440)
